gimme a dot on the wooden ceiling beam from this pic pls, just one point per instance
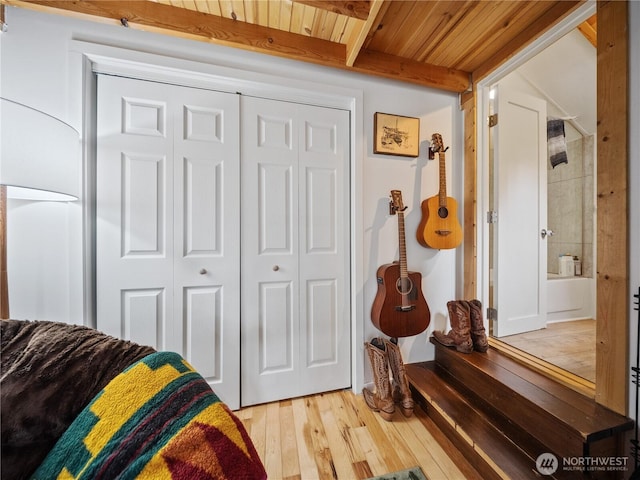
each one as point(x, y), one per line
point(166, 19)
point(356, 9)
point(399, 68)
point(588, 28)
point(354, 44)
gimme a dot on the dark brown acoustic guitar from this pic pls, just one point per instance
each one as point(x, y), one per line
point(399, 309)
point(439, 227)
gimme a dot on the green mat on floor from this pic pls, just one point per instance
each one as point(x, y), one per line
point(414, 473)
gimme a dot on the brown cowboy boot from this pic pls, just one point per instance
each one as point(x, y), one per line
point(478, 333)
point(459, 336)
point(381, 401)
point(400, 390)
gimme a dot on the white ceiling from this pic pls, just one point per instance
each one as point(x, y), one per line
point(565, 74)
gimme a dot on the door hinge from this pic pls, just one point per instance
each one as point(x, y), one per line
point(493, 120)
point(492, 216)
point(492, 314)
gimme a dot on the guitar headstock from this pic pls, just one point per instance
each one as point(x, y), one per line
point(396, 205)
point(437, 145)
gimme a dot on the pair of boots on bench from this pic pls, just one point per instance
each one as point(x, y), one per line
point(385, 357)
point(467, 328)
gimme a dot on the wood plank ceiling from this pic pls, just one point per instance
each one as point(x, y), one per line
point(444, 44)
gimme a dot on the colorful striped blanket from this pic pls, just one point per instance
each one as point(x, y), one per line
point(159, 419)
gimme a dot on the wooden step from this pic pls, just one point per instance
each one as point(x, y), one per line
point(561, 418)
point(504, 401)
point(490, 452)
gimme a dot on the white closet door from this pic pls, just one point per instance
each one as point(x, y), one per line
point(295, 250)
point(168, 223)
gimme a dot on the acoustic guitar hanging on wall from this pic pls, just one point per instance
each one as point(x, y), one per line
point(399, 309)
point(439, 227)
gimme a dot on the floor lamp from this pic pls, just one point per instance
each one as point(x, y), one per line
point(39, 161)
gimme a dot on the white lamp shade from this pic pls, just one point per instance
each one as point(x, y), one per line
point(39, 154)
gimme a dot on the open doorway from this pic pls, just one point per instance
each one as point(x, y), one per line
point(538, 213)
point(612, 276)
point(552, 206)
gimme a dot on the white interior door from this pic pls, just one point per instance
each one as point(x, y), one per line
point(295, 250)
point(520, 198)
point(167, 236)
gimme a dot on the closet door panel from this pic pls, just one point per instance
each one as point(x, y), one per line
point(134, 194)
point(321, 232)
point(168, 222)
point(295, 317)
point(202, 207)
point(206, 235)
point(143, 191)
point(325, 325)
point(202, 325)
point(276, 325)
point(321, 323)
point(143, 319)
point(270, 287)
point(275, 214)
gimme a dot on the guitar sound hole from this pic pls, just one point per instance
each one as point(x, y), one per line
point(404, 285)
point(443, 212)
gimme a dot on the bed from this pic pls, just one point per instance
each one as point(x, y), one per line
point(77, 403)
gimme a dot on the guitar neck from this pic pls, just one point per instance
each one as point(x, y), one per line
point(403, 248)
point(442, 194)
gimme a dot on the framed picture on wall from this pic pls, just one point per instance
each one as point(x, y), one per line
point(396, 135)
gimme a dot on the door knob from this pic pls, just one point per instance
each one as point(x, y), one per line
point(544, 232)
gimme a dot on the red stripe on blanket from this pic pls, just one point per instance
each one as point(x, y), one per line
point(151, 429)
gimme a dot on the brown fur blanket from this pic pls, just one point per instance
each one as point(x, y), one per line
point(49, 372)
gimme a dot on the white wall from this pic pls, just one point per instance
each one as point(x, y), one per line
point(572, 59)
point(41, 67)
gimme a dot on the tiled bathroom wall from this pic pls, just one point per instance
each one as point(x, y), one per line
point(570, 193)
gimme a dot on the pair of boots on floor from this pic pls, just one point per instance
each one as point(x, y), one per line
point(385, 356)
point(467, 328)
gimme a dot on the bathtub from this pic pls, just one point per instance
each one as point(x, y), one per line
point(570, 298)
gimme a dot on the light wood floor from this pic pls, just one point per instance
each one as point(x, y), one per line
point(336, 436)
point(569, 345)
